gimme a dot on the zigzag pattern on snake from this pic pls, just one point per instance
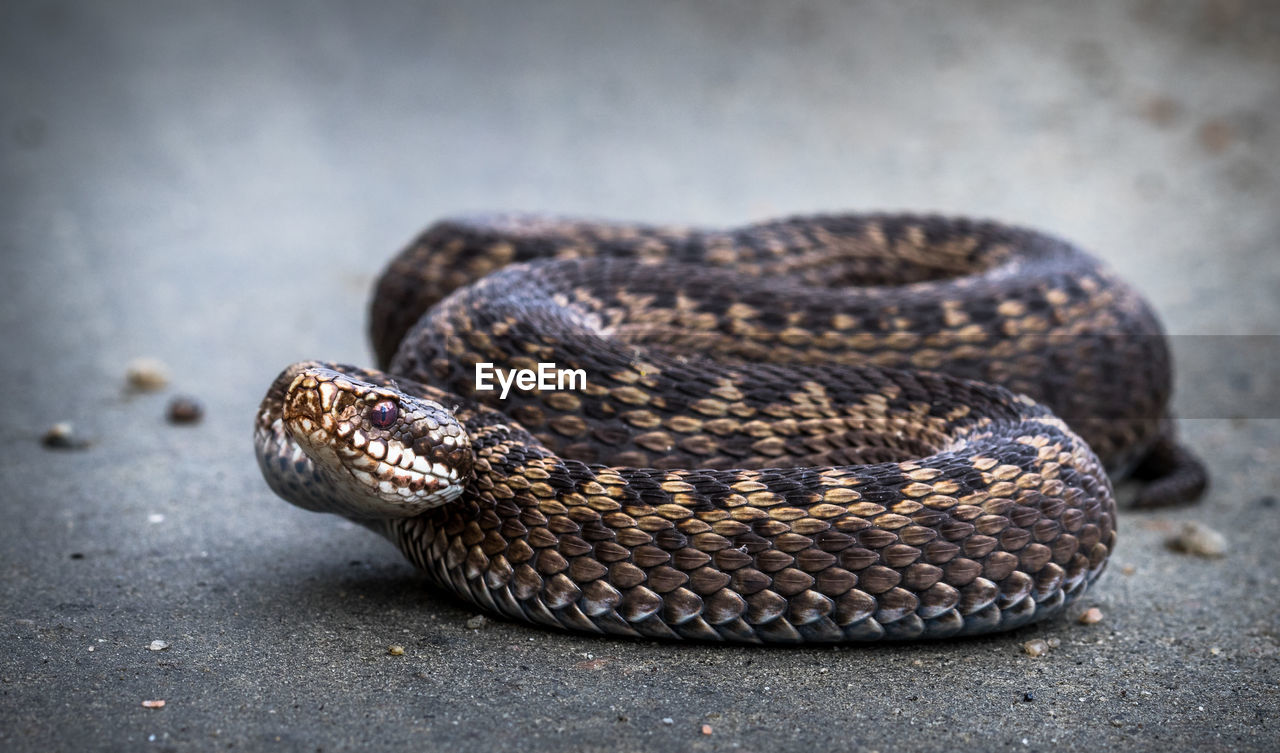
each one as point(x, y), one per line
point(826, 428)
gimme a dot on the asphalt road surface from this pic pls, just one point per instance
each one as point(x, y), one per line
point(216, 186)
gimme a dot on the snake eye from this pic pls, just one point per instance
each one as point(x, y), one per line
point(383, 413)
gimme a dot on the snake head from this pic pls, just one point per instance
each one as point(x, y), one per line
point(386, 453)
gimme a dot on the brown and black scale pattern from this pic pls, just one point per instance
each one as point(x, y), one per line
point(645, 310)
point(1005, 524)
point(763, 452)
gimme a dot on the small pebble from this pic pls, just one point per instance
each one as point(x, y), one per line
point(147, 374)
point(1198, 539)
point(62, 436)
point(477, 622)
point(1054, 642)
point(1036, 648)
point(1161, 111)
point(1091, 616)
point(1028, 696)
point(184, 409)
point(1128, 569)
point(706, 729)
point(1215, 651)
point(153, 704)
point(668, 720)
point(395, 650)
point(158, 646)
point(1215, 136)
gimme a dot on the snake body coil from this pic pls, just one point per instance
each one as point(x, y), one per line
point(789, 431)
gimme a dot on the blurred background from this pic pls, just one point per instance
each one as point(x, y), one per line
point(216, 186)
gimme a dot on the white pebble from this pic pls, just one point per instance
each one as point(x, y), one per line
point(1199, 539)
point(147, 374)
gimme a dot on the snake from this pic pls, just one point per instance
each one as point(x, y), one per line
point(818, 429)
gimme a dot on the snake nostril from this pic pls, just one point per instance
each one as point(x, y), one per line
point(383, 413)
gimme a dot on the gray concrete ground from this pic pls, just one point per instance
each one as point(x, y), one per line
point(217, 185)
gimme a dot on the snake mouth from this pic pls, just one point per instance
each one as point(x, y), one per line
point(387, 453)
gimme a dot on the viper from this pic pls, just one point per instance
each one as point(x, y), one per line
point(817, 429)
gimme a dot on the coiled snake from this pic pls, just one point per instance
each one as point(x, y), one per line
point(789, 431)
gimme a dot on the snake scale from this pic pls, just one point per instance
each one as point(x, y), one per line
point(817, 429)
